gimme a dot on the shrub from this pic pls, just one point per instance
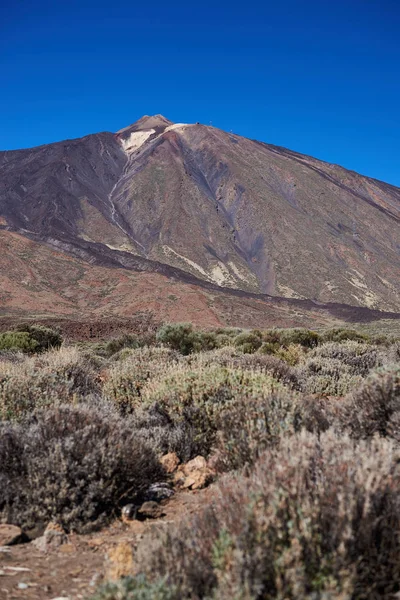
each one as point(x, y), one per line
point(250, 425)
point(180, 337)
point(137, 588)
point(303, 337)
point(158, 430)
point(124, 341)
point(45, 337)
point(248, 341)
point(318, 518)
point(269, 348)
point(196, 397)
point(340, 334)
point(125, 379)
point(72, 464)
point(358, 358)
point(374, 408)
point(233, 358)
point(327, 376)
point(19, 341)
point(56, 376)
point(292, 354)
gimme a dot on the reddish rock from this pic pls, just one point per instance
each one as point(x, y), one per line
point(11, 535)
point(170, 462)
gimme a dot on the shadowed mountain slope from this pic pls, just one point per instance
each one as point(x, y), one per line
point(214, 206)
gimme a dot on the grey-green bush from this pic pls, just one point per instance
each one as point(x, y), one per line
point(75, 465)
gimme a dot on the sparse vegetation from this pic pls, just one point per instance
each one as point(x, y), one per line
point(301, 429)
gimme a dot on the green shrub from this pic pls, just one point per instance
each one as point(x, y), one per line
point(125, 341)
point(178, 336)
point(340, 335)
point(47, 338)
point(269, 348)
point(75, 465)
point(303, 337)
point(248, 341)
point(233, 358)
point(18, 341)
point(125, 379)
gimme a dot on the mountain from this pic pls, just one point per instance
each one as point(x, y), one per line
point(204, 208)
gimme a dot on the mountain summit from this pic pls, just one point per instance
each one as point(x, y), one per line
point(146, 122)
point(212, 206)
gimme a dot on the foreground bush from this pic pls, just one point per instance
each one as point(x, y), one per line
point(72, 465)
point(318, 518)
point(137, 588)
point(374, 408)
point(56, 376)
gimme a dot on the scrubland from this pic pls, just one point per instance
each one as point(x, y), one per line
point(302, 429)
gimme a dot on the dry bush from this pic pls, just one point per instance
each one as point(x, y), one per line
point(232, 358)
point(359, 358)
point(55, 376)
point(73, 465)
point(337, 368)
point(137, 588)
point(318, 518)
point(125, 379)
point(165, 434)
point(251, 424)
point(291, 354)
point(327, 376)
point(195, 398)
point(374, 408)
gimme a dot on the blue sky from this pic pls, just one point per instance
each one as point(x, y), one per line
point(320, 77)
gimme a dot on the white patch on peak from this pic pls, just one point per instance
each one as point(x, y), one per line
point(136, 139)
point(175, 126)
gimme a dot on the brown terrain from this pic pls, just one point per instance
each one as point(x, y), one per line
point(192, 223)
point(75, 568)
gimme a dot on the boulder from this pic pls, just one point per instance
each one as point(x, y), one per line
point(128, 512)
point(11, 535)
point(195, 474)
point(150, 510)
point(54, 536)
point(157, 492)
point(194, 465)
point(170, 462)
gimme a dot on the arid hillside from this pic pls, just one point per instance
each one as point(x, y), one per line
point(194, 204)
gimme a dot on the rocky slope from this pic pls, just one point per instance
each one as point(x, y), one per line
point(207, 207)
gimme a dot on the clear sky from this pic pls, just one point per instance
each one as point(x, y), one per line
point(318, 76)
